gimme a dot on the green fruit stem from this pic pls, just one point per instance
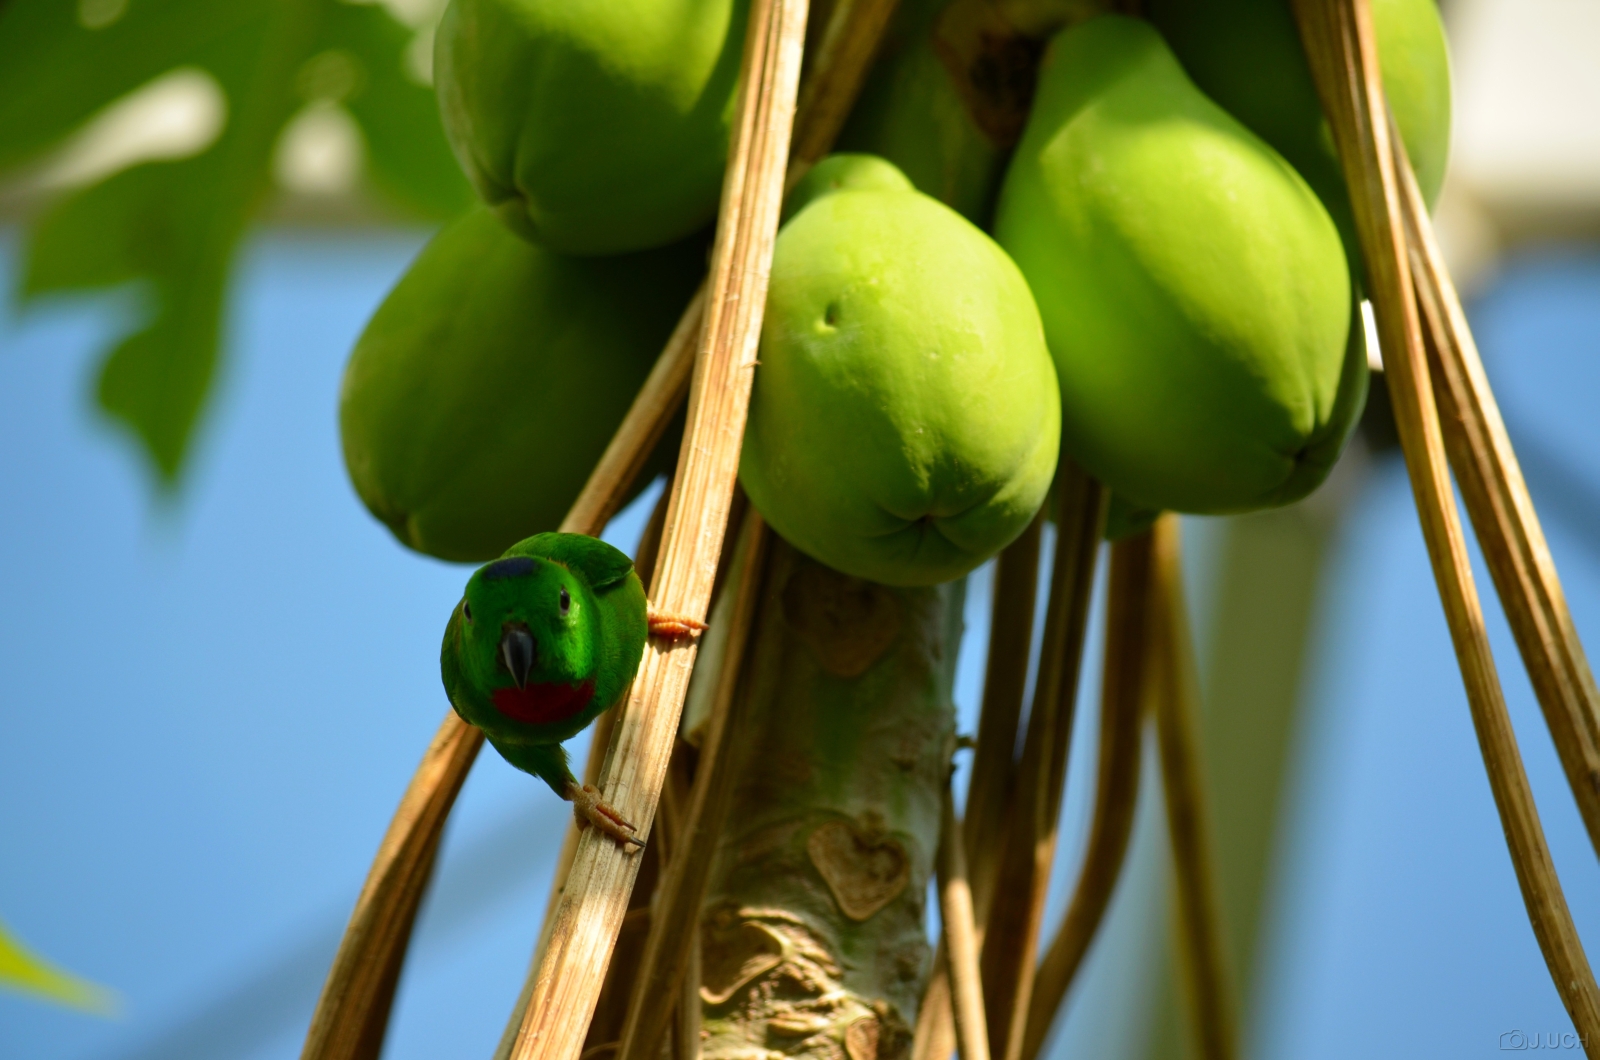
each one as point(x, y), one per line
point(951, 92)
point(813, 941)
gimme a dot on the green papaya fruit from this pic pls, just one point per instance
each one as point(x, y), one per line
point(492, 377)
point(1124, 519)
point(1193, 289)
point(592, 126)
point(905, 420)
point(1247, 56)
point(839, 171)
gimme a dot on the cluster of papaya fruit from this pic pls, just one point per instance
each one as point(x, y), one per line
point(1127, 240)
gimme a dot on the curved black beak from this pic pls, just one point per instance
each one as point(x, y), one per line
point(517, 653)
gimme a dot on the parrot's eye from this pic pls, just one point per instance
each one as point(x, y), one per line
point(466, 611)
point(564, 602)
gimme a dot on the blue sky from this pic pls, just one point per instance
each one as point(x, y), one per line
point(208, 711)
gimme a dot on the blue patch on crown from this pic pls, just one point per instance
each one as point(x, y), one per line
point(511, 567)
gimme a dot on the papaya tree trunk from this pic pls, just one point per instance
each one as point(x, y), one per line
point(813, 938)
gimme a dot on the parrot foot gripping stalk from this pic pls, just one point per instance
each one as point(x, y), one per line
point(588, 808)
point(664, 624)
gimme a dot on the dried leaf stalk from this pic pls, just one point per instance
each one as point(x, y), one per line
point(353, 1011)
point(593, 767)
point(660, 397)
point(686, 1020)
point(1011, 936)
point(1205, 968)
point(960, 937)
point(1502, 513)
point(1124, 691)
point(1340, 44)
point(591, 910)
point(1016, 589)
point(675, 910)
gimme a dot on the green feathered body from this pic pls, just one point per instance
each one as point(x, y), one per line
point(545, 638)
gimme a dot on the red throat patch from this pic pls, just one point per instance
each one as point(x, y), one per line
point(537, 704)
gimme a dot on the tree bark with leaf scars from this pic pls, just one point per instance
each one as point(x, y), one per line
point(812, 931)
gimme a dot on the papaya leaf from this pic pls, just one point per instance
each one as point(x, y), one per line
point(27, 972)
point(172, 228)
point(147, 224)
point(175, 226)
point(55, 72)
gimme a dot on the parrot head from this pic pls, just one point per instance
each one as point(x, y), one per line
point(527, 639)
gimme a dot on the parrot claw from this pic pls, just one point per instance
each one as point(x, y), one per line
point(588, 808)
point(663, 624)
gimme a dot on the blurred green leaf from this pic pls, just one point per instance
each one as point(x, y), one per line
point(27, 972)
point(173, 227)
point(55, 73)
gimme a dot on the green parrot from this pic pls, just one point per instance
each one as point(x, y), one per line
point(544, 640)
